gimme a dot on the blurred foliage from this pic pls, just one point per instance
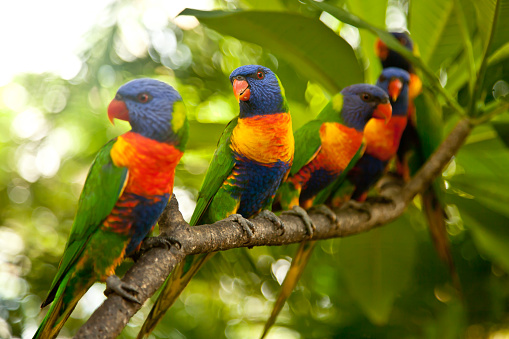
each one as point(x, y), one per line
point(387, 283)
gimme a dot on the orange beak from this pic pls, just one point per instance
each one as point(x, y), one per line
point(117, 109)
point(395, 86)
point(383, 111)
point(241, 90)
point(381, 49)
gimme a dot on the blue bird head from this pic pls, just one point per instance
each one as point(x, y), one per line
point(394, 81)
point(362, 102)
point(390, 58)
point(258, 91)
point(153, 108)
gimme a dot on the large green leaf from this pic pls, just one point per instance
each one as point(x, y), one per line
point(375, 13)
point(428, 22)
point(429, 122)
point(392, 43)
point(492, 20)
point(488, 227)
point(436, 30)
point(480, 192)
point(306, 43)
point(378, 265)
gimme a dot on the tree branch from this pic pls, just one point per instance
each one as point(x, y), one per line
point(150, 271)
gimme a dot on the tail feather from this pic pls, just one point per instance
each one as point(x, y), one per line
point(292, 277)
point(435, 215)
point(59, 311)
point(171, 290)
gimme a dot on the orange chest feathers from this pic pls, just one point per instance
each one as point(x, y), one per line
point(339, 145)
point(265, 139)
point(151, 164)
point(383, 140)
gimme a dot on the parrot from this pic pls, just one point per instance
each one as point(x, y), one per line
point(416, 147)
point(126, 190)
point(389, 58)
point(253, 156)
point(325, 149)
point(382, 140)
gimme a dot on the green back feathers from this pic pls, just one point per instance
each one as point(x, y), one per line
point(101, 191)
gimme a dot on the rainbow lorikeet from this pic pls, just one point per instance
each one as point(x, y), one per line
point(253, 157)
point(382, 140)
point(126, 191)
point(416, 147)
point(326, 148)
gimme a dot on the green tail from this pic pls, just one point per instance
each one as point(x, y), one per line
point(60, 309)
point(297, 267)
point(171, 290)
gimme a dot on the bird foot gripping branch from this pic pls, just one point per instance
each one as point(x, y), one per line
point(301, 213)
point(269, 215)
point(247, 226)
point(323, 209)
point(125, 290)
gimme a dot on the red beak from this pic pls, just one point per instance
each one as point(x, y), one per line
point(395, 86)
point(241, 90)
point(117, 109)
point(381, 49)
point(383, 111)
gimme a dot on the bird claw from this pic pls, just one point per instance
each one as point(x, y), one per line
point(125, 290)
point(323, 209)
point(162, 241)
point(246, 225)
point(357, 205)
point(269, 215)
point(380, 199)
point(301, 213)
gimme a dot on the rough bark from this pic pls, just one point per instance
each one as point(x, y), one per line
point(152, 268)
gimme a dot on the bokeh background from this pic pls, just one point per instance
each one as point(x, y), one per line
point(61, 64)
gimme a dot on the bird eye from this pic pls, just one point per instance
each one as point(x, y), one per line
point(366, 96)
point(260, 75)
point(144, 98)
point(403, 41)
point(382, 78)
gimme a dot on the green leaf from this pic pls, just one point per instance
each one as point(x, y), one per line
point(429, 123)
point(392, 43)
point(429, 20)
point(492, 20)
point(378, 265)
point(375, 13)
point(435, 29)
point(328, 60)
point(488, 227)
point(480, 192)
point(493, 26)
point(273, 5)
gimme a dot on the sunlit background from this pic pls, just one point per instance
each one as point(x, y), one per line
point(61, 64)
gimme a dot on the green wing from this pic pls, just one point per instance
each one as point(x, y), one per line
point(220, 168)
point(103, 186)
point(307, 144)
